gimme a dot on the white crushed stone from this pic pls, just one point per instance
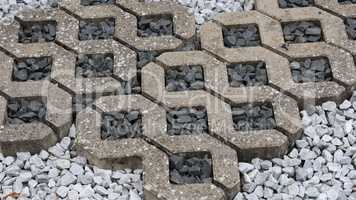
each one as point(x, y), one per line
point(203, 10)
point(321, 166)
point(61, 174)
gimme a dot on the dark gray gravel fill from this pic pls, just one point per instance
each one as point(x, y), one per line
point(241, 36)
point(351, 27)
point(253, 117)
point(31, 32)
point(295, 3)
point(302, 32)
point(94, 65)
point(33, 69)
point(184, 78)
point(96, 2)
point(311, 70)
point(247, 74)
point(156, 25)
point(187, 121)
point(346, 1)
point(190, 168)
point(118, 125)
point(144, 57)
point(25, 111)
point(97, 29)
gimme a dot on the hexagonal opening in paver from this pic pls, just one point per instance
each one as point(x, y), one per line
point(302, 31)
point(94, 65)
point(256, 116)
point(346, 1)
point(155, 25)
point(182, 78)
point(122, 124)
point(32, 69)
point(244, 35)
point(96, 29)
point(187, 121)
point(96, 2)
point(295, 3)
point(190, 168)
point(315, 69)
point(350, 24)
point(247, 74)
point(26, 110)
point(37, 31)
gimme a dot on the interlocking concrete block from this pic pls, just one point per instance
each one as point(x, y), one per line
point(262, 143)
point(278, 67)
point(124, 57)
point(211, 34)
point(155, 163)
point(184, 25)
point(59, 103)
point(224, 159)
point(23, 137)
point(33, 136)
point(333, 28)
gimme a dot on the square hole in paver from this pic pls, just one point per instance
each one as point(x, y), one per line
point(184, 78)
point(155, 25)
point(26, 110)
point(245, 35)
point(302, 32)
point(187, 121)
point(190, 168)
point(257, 116)
point(96, 29)
point(94, 65)
point(123, 124)
point(350, 24)
point(295, 3)
point(39, 31)
point(96, 2)
point(32, 69)
point(346, 1)
point(311, 70)
point(247, 74)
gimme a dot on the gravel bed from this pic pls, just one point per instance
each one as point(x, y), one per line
point(187, 121)
point(295, 3)
point(311, 70)
point(97, 29)
point(96, 2)
point(302, 31)
point(118, 125)
point(156, 25)
point(247, 117)
point(247, 74)
point(25, 111)
point(346, 1)
point(184, 78)
point(94, 65)
point(189, 168)
point(351, 27)
point(60, 174)
point(241, 36)
point(322, 165)
point(33, 69)
point(205, 10)
point(31, 32)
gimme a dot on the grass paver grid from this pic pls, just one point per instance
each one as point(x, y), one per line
point(245, 59)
